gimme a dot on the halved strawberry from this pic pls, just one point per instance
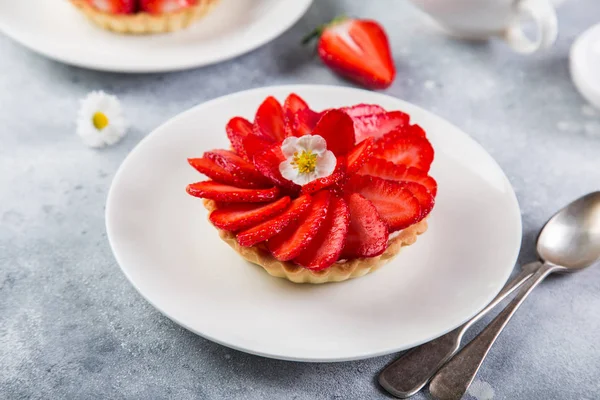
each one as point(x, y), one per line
point(238, 129)
point(368, 233)
point(410, 150)
point(359, 155)
point(326, 247)
point(273, 226)
point(292, 240)
point(377, 125)
point(267, 162)
point(268, 122)
point(241, 216)
point(398, 172)
point(114, 6)
point(216, 173)
point(396, 204)
point(220, 192)
point(254, 145)
point(336, 176)
point(360, 110)
point(305, 121)
point(237, 166)
point(337, 128)
point(165, 6)
point(426, 200)
point(291, 106)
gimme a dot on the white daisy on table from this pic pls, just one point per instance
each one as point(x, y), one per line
point(100, 121)
point(307, 159)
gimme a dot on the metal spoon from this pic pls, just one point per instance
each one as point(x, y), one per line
point(569, 241)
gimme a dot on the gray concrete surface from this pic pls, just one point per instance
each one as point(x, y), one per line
point(72, 327)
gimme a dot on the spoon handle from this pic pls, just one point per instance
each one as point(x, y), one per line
point(453, 379)
point(409, 373)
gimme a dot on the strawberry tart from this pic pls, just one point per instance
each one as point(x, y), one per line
point(319, 197)
point(144, 16)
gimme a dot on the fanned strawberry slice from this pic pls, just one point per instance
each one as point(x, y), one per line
point(377, 125)
point(395, 203)
point(237, 166)
point(326, 247)
point(337, 128)
point(241, 216)
point(272, 227)
point(360, 110)
point(254, 145)
point(410, 150)
point(269, 121)
point(426, 200)
point(305, 121)
point(336, 176)
point(292, 240)
point(367, 233)
point(216, 173)
point(267, 162)
point(220, 192)
point(397, 134)
point(291, 106)
point(117, 6)
point(398, 172)
point(359, 155)
point(238, 129)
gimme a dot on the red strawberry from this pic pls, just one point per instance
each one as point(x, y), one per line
point(254, 145)
point(165, 6)
point(396, 204)
point(337, 128)
point(272, 227)
point(336, 176)
point(241, 216)
point(426, 200)
point(215, 172)
point(360, 110)
point(305, 121)
point(238, 129)
point(398, 172)
point(237, 166)
point(269, 123)
point(368, 233)
point(220, 192)
point(378, 125)
point(292, 240)
point(326, 247)
point(291, 106)
point(359, 155)
point(267, 162)
point(114, 6)
point(410, 150)
point(358, 50)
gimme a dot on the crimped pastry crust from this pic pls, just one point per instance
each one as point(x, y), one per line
point(145, 23)
point(338, 272)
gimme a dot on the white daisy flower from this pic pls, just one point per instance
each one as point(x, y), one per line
point(100, 121)
point(307, 159)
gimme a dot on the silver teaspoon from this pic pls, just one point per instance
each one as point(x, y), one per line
point(569, 241)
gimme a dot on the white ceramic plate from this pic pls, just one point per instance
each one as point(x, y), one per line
point(175, 259)
point(57, 30)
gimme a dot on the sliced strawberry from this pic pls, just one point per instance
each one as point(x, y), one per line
point(337, 128)
point(377, 125)
point(336, 176)
point(238, 129)
point(267, 162)
point(269, 122)
point(220, 192)
point(326, 247)
point(305, 121)
point(273, 226)
point(359, 155)
point(291, 106)
point(397, 134)
point(242, 216)
point(360, 110)
point(292, 240)
point(164, 6)
point(410, 150)
point(396, 204)
point(237, 166)
point(426, 200)
point(114, 6)
point(216, 173)
point(398, 172)
point(254, 145)
point(368, 233)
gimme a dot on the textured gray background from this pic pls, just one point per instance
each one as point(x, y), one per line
point(72, 327)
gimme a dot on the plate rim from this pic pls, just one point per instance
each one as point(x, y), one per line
point(65, 58)
point(159, 130)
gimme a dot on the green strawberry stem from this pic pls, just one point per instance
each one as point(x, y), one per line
point(318, 31)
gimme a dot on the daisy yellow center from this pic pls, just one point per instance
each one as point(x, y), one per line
point(305, 162)
point(100, 120)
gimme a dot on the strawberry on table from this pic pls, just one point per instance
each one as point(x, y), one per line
point(164, 6)
point(367, 233)
point(357, 49)
point(114, 6)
